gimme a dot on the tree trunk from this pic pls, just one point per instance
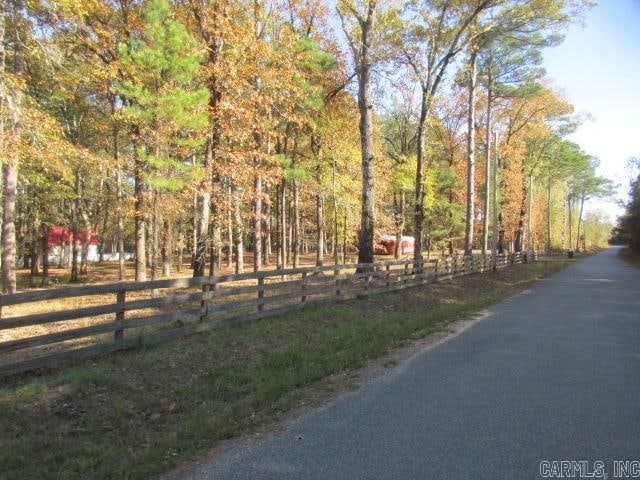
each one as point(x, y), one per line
point(344, 238)
point(166, 248)
point(229, 227)
point(519, 240)
point(365, 106)
point(549, 213)
point(237, 231)
point(582, 199)
point(266, 238)
point(494, 200)
point(295, 238)
point(569, 208)
point(75, 229)
point(180, 246)
point(290, 232)
point(336, 255)
point(9, 185)
point(103, 235)
point(257, 223)
point(63, 255)
point(34, 250)
point(530, 214)
point(194, 226)
point(487, 172)
point(10, 166)
point(215, 263)
point(398, 208)
point(203, 239)
point(418, 221)
point(471, 157)
point(120, 226)
point(86, 241)
point(155, 238)
point(45, 256)
point(139, 215)
point(320, 227)
point(282, 214)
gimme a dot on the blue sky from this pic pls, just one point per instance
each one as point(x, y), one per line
point(598, 69)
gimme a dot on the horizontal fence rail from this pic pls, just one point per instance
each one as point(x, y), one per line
point(97, 319)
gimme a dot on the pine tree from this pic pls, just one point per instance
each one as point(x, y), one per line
point(166, 110)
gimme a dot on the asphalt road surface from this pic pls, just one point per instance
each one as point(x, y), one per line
point(551, 375)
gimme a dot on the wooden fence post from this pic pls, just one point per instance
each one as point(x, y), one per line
point(120, 298)
point(388, 276)
point(367, 277)
point(406, 271)
point(260, 294)
point(204, 303)
point(304, 286)
point(435, 278)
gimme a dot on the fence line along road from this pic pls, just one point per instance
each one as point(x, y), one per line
point(118, 316)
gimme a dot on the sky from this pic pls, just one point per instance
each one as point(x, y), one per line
point(597, 67)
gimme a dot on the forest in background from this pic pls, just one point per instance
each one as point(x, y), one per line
point(194, 133)
point(627, 231)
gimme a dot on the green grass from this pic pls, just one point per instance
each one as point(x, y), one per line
point(137, 414)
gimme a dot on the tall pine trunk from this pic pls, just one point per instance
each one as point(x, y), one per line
point(487, 170)
point(167, 247)
point(365, 106)
point(180, 246)
point(257, 223)
point(336, 255)
point(549, 213)
point(418, 213)
point(266, 237)
point(120, 226)
point(282, 204)
point(75, 213)
point(139, 216)
point(569, 208)
point(155, 237)
point(202, 239)
point(10, 167)
point(45, 255)
point(266, 229)
point(582, 199)
point(237, 230)
point(519, 240)
point(398, 209)
point(320, 227)
point(471, 156)
point(86, 241)
point(295, 237)
point(530, 214)
point(229, 226)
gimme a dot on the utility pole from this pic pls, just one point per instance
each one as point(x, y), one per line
point(494, 246)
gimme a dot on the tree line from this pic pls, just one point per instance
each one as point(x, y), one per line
point(218, 129)
point(627, 231)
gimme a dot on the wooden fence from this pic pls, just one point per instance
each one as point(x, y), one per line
point(118, 316)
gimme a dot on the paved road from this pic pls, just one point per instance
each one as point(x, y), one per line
point(551, 374)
